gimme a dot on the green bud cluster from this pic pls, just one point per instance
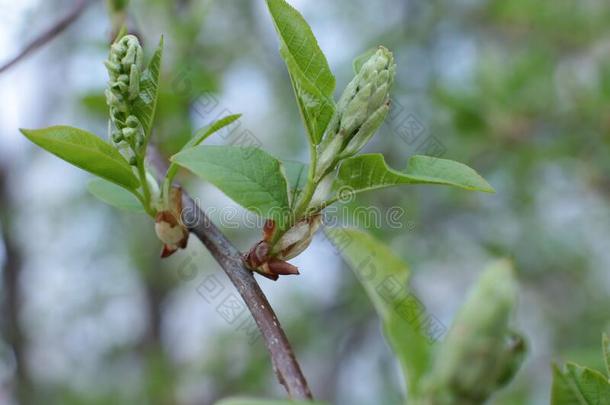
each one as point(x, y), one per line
point(360, 111)
point(124, 65)
point(480, 353)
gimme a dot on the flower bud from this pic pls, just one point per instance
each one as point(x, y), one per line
point(479, 354)
point(134, 83)
point(328, 155)
point(117, 137)
point(298, 238)
point(169, 227)
point(132, 121)
point(124, 67)
point(366, 132)
point(322, 190)
point(362, 103)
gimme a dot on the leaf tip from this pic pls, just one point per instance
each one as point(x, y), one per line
point(488, 188)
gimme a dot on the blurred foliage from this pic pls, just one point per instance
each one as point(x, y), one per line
point(518, 89)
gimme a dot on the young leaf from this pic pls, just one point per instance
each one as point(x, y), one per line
point(579, 385)
point(146, 103)
point(296, 174)
point(312, 80)
point(114, 195)
point(250, 176)
point(370, 171)
point(203, 133)
point(200, 136)
point(384, 277)
point(86, 151)
point(562, 390)
point(251, 401)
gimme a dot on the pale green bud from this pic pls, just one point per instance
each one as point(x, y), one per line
point(123, 79)
point(356, 111)
point(132, 121)
point(124, 66)
point(117, 136)
point(366, 132)
point(479, 353)
point(129, 58)
point(329, 152)
point(134, 82)
point(380, 97)
point(361, 104)
point(322, 190)
point(113, 68)
point(120, 87)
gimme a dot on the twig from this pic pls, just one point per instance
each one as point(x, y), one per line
point(48, 35)
point(230, 259)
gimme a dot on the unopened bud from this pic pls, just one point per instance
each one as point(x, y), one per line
point(479, 353)
point(132, 121)
point(322, 190)
point(282, 268)
point(298, 238)
point(124, 66)
point(129, 133)
point(329, 152)
point(362, 104)
point(366, 131)
point(134, 83)
point(293, 235)
point(169, 227)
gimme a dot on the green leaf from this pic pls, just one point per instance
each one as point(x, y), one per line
point(312, 80)
point(251, 401)
point(86, 151)
point(579, 385)
point(250, 176)
point(562, 391)
point(114, 195)
point(296, 174)
point(146, 104)
point(200, 136)
point(384, 276)
point(203, 133)
point(360, 60)
point(370, 172)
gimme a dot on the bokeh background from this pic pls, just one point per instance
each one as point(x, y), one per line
point(518, 89)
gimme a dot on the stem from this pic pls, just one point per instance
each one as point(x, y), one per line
point(145, 199)
point(167, 183)
point(310, 189)
point(230, 259)
point(304, 198)
point(48, 35)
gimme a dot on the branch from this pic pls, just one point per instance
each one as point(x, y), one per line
point(48, 35)
point(230, 259)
